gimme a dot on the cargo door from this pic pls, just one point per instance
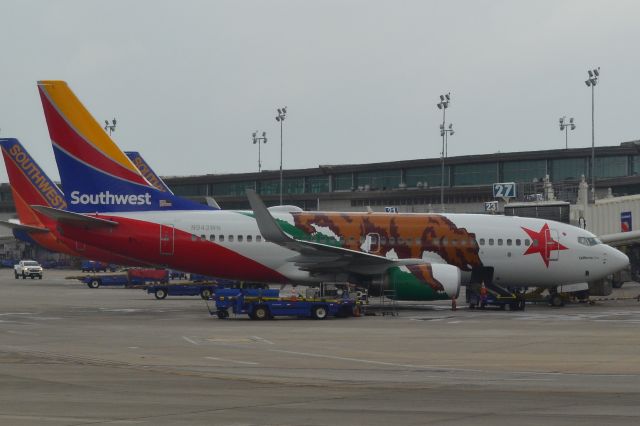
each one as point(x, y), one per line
point(167, 234)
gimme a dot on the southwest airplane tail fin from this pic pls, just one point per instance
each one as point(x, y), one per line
point(29, 183)
point(96, 174)
point(147, 171)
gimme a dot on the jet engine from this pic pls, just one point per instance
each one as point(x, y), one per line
point(426, 281)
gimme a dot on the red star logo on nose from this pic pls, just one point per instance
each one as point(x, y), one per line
point(543, 243)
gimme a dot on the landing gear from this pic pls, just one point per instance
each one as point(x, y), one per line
point(556, 300)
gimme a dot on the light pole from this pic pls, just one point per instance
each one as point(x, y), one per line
point(282, 114)
point(110, 127)
point(594, 76)
point(565, 126)
point(443, 105)
point(257, 140)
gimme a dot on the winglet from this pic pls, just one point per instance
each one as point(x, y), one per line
point(75, 219)
point(266, 223)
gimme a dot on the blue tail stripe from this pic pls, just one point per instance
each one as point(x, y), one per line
point(88, 190)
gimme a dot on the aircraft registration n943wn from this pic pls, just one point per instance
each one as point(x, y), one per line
point(421, 256)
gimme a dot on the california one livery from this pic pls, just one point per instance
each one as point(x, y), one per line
point(421, 256)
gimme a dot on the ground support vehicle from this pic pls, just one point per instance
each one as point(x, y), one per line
point(27, 268)
point(561, 295)
point(262, 304)
point(96, 266)
point(496, 296)
point(133, 277)
point(162, 291)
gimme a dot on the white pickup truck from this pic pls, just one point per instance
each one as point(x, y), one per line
point(27, 268)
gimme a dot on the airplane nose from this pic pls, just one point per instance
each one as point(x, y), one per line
point(617, 260)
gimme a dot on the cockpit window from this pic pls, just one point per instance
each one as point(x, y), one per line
point(589, 241)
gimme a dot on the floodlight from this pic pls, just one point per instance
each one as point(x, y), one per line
point(588, 83)
point(571, 120)
point(114, 121)
point(561, 120)
point(562, 126)
point(439, 106)
point(590, 73)
point(254, 134)
point(447, 96)
point(442, 98)
point(450, 126)
point(451, 132)
point(277, 118)
point(573, 126)
point(596, 72)
point(106, 122)
point(284, 110)
point(442, 127)
point(264, 134)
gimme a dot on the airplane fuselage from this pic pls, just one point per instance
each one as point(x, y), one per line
point(517, 251)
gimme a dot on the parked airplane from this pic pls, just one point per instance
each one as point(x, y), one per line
point(422, 256)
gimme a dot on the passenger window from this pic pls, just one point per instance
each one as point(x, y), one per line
point(435, 242)
point(230, 238)
point(352, 239)
point(400, 240)
point(392, 240)
point(518, 241)
point(509, 242)
point(481, 241)
point(193, 237)
point(203, 237)
point(249, 238)
point(535, 243)
point(239, 238)
point(383, 240)
point(444, 242)
point(490, 241)
point(463, 243)
point(221, 238)
point(212, 237)
point(499, 241)
point(454, 243)
point(258, 238)
point(527, 242)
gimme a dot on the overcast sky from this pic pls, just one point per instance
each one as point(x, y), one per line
point(189, 81)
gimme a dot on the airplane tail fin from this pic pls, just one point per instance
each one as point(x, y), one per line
point(30, 185)
point(95, 173)
point(147, 171)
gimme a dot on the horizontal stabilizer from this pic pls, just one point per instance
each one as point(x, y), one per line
point(75, 219)
point(20, 227)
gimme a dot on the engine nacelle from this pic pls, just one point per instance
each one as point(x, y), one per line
point(427, 281)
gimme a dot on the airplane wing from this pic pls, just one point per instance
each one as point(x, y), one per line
point(21, 227)
point(75, 219)
point(316, 257)
point(620, 238)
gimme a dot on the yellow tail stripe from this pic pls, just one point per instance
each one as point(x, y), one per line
point(83, 122)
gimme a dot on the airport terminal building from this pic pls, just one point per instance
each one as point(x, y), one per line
point(415, 185)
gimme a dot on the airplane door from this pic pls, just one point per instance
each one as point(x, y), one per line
point(167, 233)
point(552, 244)
point(371, 243)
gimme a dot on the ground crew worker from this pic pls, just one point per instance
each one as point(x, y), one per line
point(484, 292)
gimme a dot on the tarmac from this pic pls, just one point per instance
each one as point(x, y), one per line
point(70, 355)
